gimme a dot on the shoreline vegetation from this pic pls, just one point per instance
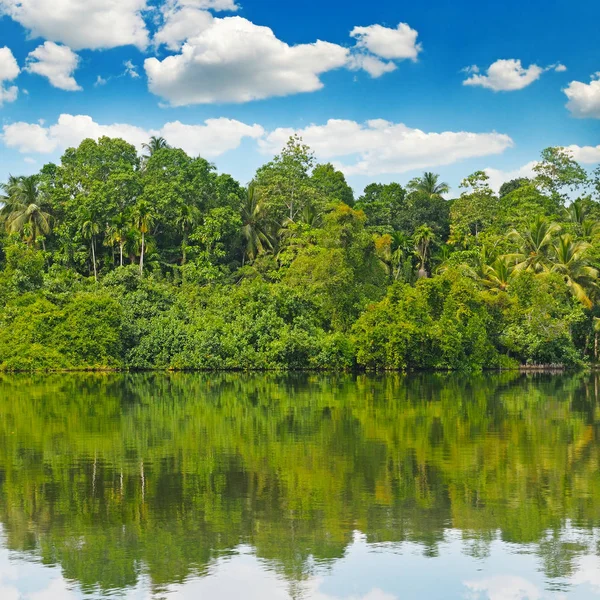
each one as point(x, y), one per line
point(111, 261)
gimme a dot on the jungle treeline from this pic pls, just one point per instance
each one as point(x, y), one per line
point(112, 260)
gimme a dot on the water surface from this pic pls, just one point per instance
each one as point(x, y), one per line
point(315, 487)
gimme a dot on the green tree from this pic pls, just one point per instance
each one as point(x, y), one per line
point(23, 210)
point(558, 173)
point(90, 228)
point(332, 184)
point(188, 217)
point(429, 185)
point(534, 245)
point(285, 185)
point(571, 262)
point(423, 238)
point(143, 220)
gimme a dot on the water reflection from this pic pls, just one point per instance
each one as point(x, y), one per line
point(315, 487)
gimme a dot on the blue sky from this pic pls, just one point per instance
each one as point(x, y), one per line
point(382, 94)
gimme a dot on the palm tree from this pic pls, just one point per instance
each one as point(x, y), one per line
point(90, 228)
point(422, 238)
point(23, 211)
point(431, 186)
point(117, 233)
point(143, 219)
point(155, 144)
point(497, 275)
point(534, 245)
point(189, 215)
point(253, 225)
point(570, 261)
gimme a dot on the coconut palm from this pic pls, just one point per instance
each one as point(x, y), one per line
point(430, 185)
point(498, 274)
point(570, 261)
point(254, 225)
point(188, 216)
point(90, 228)
point(534, 245)
point(117, 232)
point(23, 210)
point(422, 239)
point(155, 144)
point(143, 219)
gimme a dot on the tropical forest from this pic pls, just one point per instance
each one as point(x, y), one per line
point(112, 260)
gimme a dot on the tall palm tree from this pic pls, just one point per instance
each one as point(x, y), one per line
point(422, 239)
point(143, 219)
point(117, 232)
point(187, 217)
point(23, 209)
point(431, 186)
point(571, 262)
point(534, 245)
point(254, 225)
point(90, 228)
point(155, 144)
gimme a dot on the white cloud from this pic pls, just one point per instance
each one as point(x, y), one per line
point(216, 5)
point(82, 24)
point(234, 60)
point(211, 139)
point(379, 147)
point(584, 98)
point(560, 68)
point(504, 588)
point(504, 75)
point(55, 62)
point(585, 154)
point(498, 176)
point(180, 24)
point(399, 43)
point(9, 70)
point(130, 70)
point(100, 81)
point(374, 66)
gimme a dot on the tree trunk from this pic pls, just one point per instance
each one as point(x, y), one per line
point(596, 347)
point(94, 259)
point(142, 255)
point(121, 252)
point(184, 248)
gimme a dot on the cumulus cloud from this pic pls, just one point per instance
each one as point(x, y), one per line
point(378, 146)
point(211, 139)
point(504, 75)
point(9, 70)
point(181, 23)
point(399, 43)
point(55, 62)
point(234, 60)
point(588, 155)
point(374, 66)
point(82, 24)
point(584, 98)
point(498, 176)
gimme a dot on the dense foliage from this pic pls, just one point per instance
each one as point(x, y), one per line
point(111, 260)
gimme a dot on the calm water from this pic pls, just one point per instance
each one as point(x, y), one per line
point(315, 487)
